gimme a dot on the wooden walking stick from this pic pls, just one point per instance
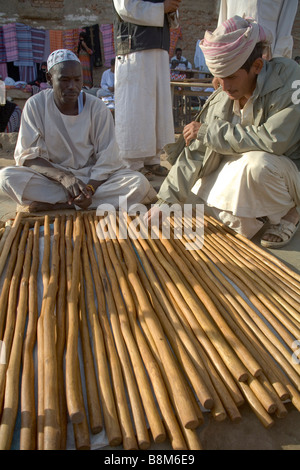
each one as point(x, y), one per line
point(129, 440)
point(118, 280)
point(7, 281)
point(185, 409)
point(51, 406)
point(73, 395)
point(45, 270)
point(111, 422)
point(28, 411)
point(11, 311)
point(9, 240)
point(160, 391)
point(116, 310)
point(257, 250)
point(93, 401)
point(61, 334)
point(11, 398)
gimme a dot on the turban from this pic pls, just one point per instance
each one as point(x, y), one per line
point(229, 46)
point(61, 55)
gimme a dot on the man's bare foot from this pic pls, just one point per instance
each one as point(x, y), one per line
point(45, 206)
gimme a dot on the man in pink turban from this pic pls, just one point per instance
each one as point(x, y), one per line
point(241, 155)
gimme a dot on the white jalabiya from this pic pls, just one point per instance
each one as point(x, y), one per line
point(276, 15)
point(143, 104)
point(264, 185)
point(83, 144)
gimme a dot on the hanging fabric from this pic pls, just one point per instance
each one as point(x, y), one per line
point(10, 42)
point(38, 44)
point(56, 40)
point(108, 43)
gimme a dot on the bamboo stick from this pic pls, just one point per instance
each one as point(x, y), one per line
point(130, 377)
point(7, 281)
point(11, 397)
point(45, 271)
point(111, 422)
point(225, 299)
point(61, 335)
point(161, 394)
point(73, 395)
point(11, 312)
point(277, 265)
point(9, 240)
point(93, 401)
point(5, 233)
point(253, 289)
point(185, 410)
point(229, 357)
point(129, 440)
point(51, 402)
point(114, 266)
point(28, 411)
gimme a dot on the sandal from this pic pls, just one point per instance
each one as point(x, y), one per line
point(147, 174)
point(285, 230)
point(157, 170)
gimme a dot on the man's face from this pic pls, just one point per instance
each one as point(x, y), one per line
point(66, 80)
point(241, 84)
point(178, 54)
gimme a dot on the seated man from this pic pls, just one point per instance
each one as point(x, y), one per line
point(66, 154)
point(179, 62)
point(241, 156)
point(108, 81)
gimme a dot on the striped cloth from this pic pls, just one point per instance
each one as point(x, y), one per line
point(229, 46)
point(3, 71)
point(175, 34)
point(70, 39)
point(10, 42)
point(108, 43)
point(38, 44)
point(56, 40)
point(27, 73)
point(24, 46)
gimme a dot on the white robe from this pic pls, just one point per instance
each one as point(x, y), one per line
point(83, 144)
point(143, 104)
point(276, 15)
point(265, 185)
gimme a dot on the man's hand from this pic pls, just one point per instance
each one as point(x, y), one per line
point(190, 131)
point(76, 189)
point(171, 5)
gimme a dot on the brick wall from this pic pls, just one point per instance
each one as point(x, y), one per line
point(198, 15)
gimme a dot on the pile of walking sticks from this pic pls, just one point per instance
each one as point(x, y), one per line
point(139, 336)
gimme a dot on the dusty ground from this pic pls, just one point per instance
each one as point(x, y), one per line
point(248, 434)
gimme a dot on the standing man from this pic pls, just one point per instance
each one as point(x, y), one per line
point(143, 105)
point(277, 16)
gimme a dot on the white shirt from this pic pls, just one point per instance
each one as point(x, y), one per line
point(107, 79)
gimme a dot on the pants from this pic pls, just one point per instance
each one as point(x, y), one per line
point(132, 186)
point(257, 184)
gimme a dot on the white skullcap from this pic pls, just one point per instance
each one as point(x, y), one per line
point(61, 55)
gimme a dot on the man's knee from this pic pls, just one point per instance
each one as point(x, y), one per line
point(260, 165)
point(6, 175)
